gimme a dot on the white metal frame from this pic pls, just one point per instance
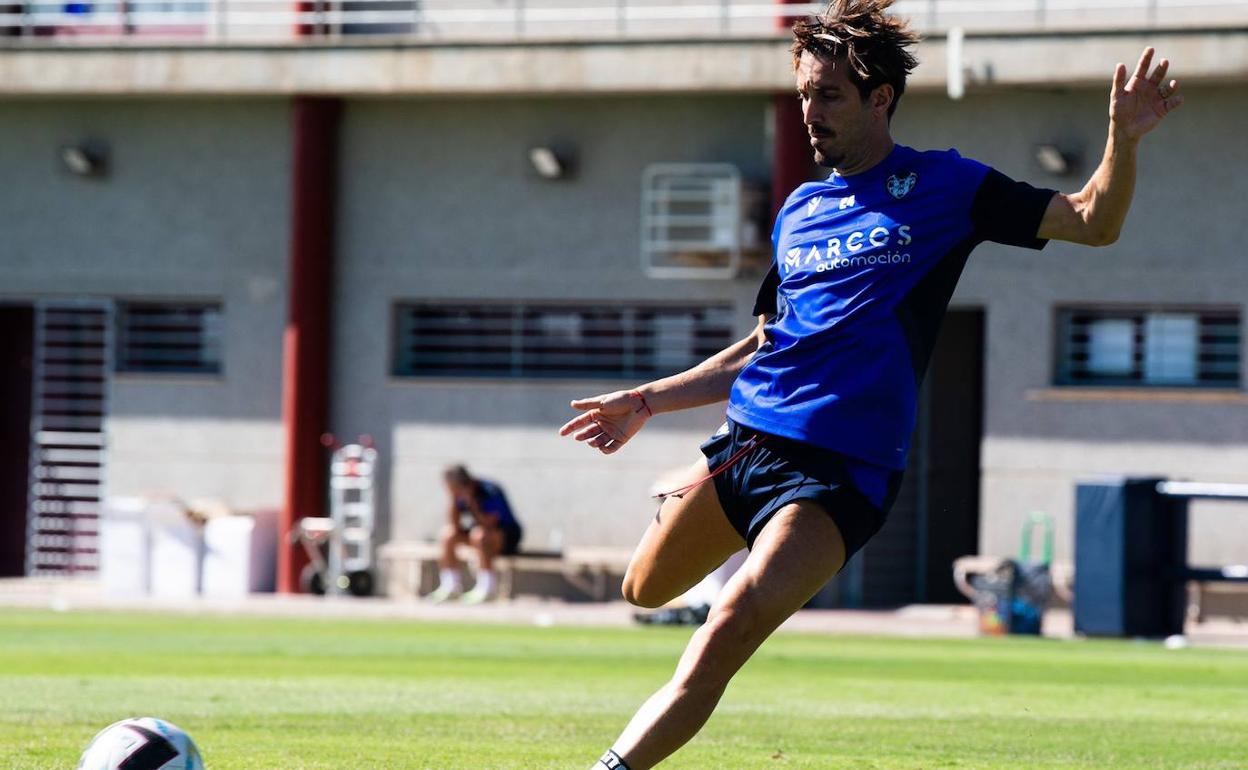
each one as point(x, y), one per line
point(352, 471)
point(347, 533)
point(719, 186)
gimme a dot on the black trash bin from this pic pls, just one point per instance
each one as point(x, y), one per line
point(1130, 553)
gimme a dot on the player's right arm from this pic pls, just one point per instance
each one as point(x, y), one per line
point(608, 421)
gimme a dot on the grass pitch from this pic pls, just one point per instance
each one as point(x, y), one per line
point(348, 695)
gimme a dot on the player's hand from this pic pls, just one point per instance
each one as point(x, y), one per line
point(1137, 105)
point(608, 421)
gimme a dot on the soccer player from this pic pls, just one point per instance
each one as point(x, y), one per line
point(480, 516)
point(822, 395)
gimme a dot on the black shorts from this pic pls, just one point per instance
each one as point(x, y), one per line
point(511, 536)
point(777, 471)
point(511, 540)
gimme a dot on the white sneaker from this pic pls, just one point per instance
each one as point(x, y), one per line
point(478, 596)
point(444, 593)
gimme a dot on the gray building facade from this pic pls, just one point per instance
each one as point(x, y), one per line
point(438, 204)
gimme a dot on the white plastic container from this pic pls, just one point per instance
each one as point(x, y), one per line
point(125, 563)
point(240, 555)
point(177, 551)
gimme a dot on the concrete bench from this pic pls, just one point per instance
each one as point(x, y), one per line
point(411, 567)
point(589, 568)
point(1206, 600)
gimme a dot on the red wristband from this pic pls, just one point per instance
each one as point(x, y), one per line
point(644, 405)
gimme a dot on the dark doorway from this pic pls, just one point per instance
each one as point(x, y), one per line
point(936, 515)
point(954, 422)
point(17, 326)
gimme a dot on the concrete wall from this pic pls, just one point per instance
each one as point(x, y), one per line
point(439, 201)
point(195, 206)
point(1182, 245)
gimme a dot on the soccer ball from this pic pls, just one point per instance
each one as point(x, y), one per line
point(143, 743)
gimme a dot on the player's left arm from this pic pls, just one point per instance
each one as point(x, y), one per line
point(1094, 215)
point(479, 514)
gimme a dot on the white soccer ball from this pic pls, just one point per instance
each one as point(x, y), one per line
point(1176, 642)
point(143, 743)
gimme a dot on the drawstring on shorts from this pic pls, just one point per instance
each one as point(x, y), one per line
point(682, 491)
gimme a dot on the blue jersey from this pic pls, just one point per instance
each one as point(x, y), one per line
point(491, 500)
point(863, 271)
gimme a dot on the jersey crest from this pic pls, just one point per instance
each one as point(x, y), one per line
point(899, 186)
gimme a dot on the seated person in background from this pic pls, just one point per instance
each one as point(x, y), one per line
point(479, 516)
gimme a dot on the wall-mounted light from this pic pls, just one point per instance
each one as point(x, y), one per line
point(1056, 161)
point(87, 158)
point(552, 163)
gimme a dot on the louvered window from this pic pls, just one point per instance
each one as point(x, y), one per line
point(1153, 347)
point(169, 337)
point(556, 341)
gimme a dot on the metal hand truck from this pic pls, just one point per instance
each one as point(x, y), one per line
point(340, 547)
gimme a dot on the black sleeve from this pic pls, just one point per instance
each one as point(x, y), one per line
point(1009, 212)
point(765, 302)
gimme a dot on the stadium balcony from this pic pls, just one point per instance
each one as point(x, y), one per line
point(566, 46)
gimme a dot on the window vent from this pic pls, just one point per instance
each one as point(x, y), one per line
point(1153, 347)
point(556, 341)
point(179, 338)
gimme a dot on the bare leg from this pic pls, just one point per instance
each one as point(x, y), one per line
point(451, 537)
point(797, 552)
point(450, 568)
point(487, 541)
point(689, 537)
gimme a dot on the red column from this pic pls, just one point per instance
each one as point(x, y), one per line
point(302, 8)
point(785, 22)
point(305, 344)
point(792, 158)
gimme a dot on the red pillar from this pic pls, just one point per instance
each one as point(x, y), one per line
point(785, 21)
point(304, 8)
point(792, 157)
point(305, 344)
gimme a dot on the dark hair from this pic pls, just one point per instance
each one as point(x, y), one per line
point(457, 474)
point(870, 41)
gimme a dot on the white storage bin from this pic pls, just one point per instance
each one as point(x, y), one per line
point(240, 555)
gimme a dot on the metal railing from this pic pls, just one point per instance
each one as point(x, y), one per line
point(259, 21)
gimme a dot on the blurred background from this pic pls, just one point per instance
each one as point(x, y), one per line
point(230, 227)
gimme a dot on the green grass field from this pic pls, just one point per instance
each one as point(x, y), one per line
point(260, 694)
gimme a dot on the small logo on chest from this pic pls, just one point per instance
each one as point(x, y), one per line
point(899, 186)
